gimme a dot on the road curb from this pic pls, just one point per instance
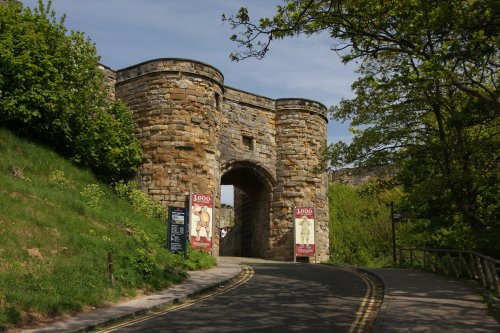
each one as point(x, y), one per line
point(101, 323)
point(161, 306)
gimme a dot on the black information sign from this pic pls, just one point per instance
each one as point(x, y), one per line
point(177, 229)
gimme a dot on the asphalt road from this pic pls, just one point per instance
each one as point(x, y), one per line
point(279, 297)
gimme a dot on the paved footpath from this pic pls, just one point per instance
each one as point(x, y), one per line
point(198, 282)
point(416, 301)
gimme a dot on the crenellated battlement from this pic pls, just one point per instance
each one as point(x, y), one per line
point(175, 66)
point(302, 105)
point(197, 134)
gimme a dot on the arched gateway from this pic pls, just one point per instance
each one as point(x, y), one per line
point(198, 134)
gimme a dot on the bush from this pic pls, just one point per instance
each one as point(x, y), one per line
point(360, 228)
point(140, 201)
point(107, 143)
point(52, 91)
point(198, 259)
point(58, 178)
point(92, 195)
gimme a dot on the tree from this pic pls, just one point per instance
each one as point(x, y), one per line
point(52, 90)
point(457, 39)
point(427, 98)
point(443, 145)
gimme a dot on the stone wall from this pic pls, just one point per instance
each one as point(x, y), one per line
point(226, 216)
point(249, 129)
point(300, 139)
point(176, 105)
point(358, 176)
point(197, 134)
point(109, 80)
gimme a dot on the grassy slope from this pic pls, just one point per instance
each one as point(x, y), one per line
point(54, 246)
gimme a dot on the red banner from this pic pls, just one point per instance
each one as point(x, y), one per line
point(304, 232)
point(201, 221)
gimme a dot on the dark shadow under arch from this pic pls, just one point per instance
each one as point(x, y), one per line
point(232, 170)
point(254, 186)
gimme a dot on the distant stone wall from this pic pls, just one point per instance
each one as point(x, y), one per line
point(358, 176)
point(226, 216)
point(197, 134)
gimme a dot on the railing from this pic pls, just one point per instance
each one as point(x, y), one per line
point(452, 262)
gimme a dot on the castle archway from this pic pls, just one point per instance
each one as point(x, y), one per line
point(197, 134)
point(253, 187)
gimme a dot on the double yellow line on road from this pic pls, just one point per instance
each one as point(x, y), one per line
point(368, 308)
point(362, 323)
point(246, 274)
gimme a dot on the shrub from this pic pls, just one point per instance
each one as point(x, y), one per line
point(92, 195)
point(140, 201)
point(58, 178)
point(52, 90)
point(199, 259)
point(106, 143)
point(360, 231)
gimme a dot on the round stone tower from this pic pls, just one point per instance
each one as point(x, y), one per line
point(177, 109)
point(300, 140)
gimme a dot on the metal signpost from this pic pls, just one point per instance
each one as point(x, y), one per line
point(394, 217)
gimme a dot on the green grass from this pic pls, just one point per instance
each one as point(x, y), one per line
point(54, 241)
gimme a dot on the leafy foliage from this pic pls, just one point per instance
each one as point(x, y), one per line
point(58, 178)
point(52, 90)
point(427, 99)
point(457, 39)
point(140, 201)
point(360, 224)
point(92, 195)
point(360, 227)
point(443, 142)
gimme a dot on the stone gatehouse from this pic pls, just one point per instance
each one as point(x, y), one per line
point(198, 134)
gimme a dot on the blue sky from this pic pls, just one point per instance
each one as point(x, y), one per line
point(127, 32)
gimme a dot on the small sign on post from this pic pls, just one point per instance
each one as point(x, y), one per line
point(304, 224)
point(177, 230)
